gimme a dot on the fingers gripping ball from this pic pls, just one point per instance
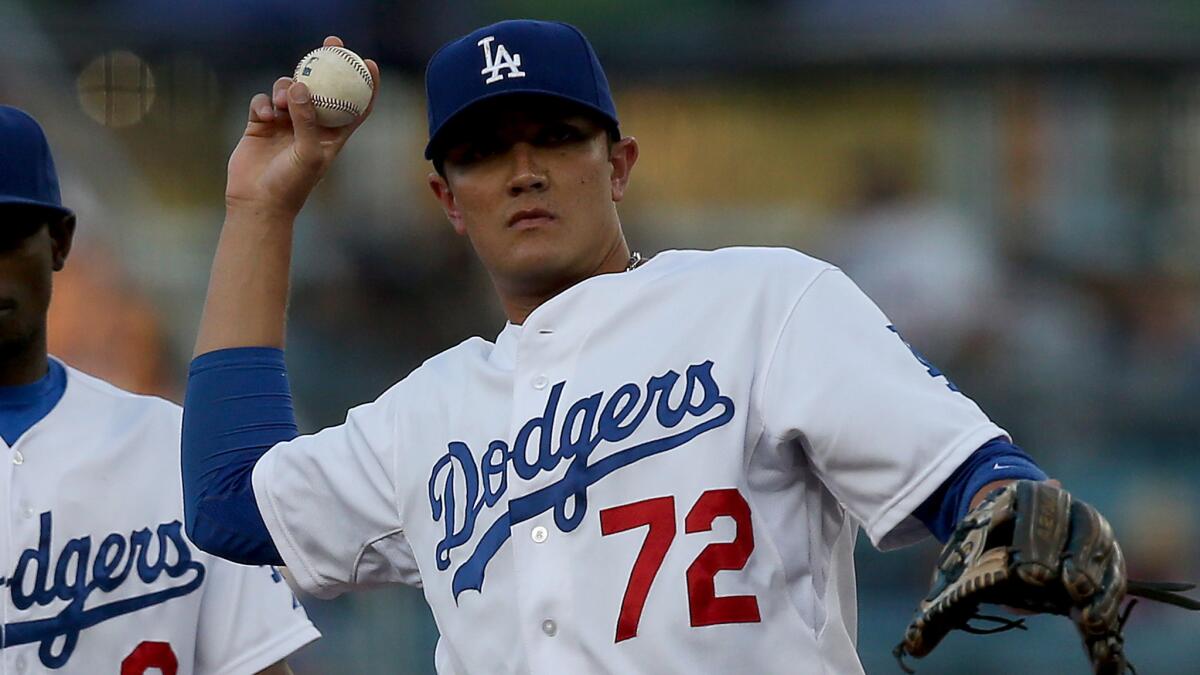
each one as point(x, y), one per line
point(340, 83)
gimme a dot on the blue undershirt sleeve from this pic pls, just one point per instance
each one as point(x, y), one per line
point(995, 460)
point(238, 405)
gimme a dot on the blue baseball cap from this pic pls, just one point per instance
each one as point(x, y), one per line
point(27, 174)
point(514, 57)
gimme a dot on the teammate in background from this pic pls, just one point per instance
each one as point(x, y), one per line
point(96, 572)
point(658, 466)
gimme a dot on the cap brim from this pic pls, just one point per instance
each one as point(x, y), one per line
point(439, 134)
point(21, 201)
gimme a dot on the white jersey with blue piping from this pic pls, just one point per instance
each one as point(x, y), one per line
point(662, 470)
point(97, 574)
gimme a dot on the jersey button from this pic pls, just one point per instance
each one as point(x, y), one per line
point(19, 459)
point(540, 382)
point(27, 510)
point(21, 663)
point(539, 534)
point(549, 627)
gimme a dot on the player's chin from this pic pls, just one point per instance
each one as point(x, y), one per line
point(533, 248)
point(16, 333)
point(538, 263)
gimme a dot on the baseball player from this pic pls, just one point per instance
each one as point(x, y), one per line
point(657, 465)
point(96, 572)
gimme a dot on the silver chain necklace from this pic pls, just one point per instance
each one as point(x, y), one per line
point(635, 260)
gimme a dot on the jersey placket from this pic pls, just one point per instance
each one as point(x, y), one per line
point(6, 553)
point(545, 357)
point(19, 533)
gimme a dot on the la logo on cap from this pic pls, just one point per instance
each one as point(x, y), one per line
point(502, 60)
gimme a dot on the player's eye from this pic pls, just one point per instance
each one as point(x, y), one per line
point(475, 151)
point(555, 134)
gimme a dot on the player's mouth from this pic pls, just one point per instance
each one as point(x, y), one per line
point(530, 218)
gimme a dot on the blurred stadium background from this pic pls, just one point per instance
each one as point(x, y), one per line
point(1017, 183)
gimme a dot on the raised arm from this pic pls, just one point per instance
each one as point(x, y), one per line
point(282, 154)
point(238, 403)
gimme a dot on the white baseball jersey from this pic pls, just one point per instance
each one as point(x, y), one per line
point(98, 575)
point(660, 471)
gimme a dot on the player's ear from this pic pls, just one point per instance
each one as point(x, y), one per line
point(445, 196)
point(62, 233)
point(623, 156)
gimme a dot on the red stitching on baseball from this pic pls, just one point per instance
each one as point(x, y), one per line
point(355, 63)
point(335, 104)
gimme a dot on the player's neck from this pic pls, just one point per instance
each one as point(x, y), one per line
point(23, 364)
point(518, 305)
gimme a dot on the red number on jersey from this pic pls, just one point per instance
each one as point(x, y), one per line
point(149, 655)
point(704, 605)
point(659, 515)
point(707, 608)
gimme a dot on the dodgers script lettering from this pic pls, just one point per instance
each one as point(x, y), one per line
point(461, 487)
point(79, 570)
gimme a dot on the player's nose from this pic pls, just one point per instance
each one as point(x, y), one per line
point(527, 173)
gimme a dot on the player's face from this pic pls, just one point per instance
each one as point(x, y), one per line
point(534, 184)
point(33, 245)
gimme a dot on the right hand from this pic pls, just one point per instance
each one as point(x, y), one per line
point(284, 152)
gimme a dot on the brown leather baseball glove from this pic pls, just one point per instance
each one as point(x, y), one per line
point(1032, 547)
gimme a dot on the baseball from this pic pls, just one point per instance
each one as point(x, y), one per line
point(340, 83)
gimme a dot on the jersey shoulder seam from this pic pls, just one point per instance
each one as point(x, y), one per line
point(110, 390)
point(450, 356)
point(784, 324)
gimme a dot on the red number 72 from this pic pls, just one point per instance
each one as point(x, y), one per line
point(704, 605)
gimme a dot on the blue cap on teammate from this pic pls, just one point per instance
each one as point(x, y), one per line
point(27, 174)
point(514, 57)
